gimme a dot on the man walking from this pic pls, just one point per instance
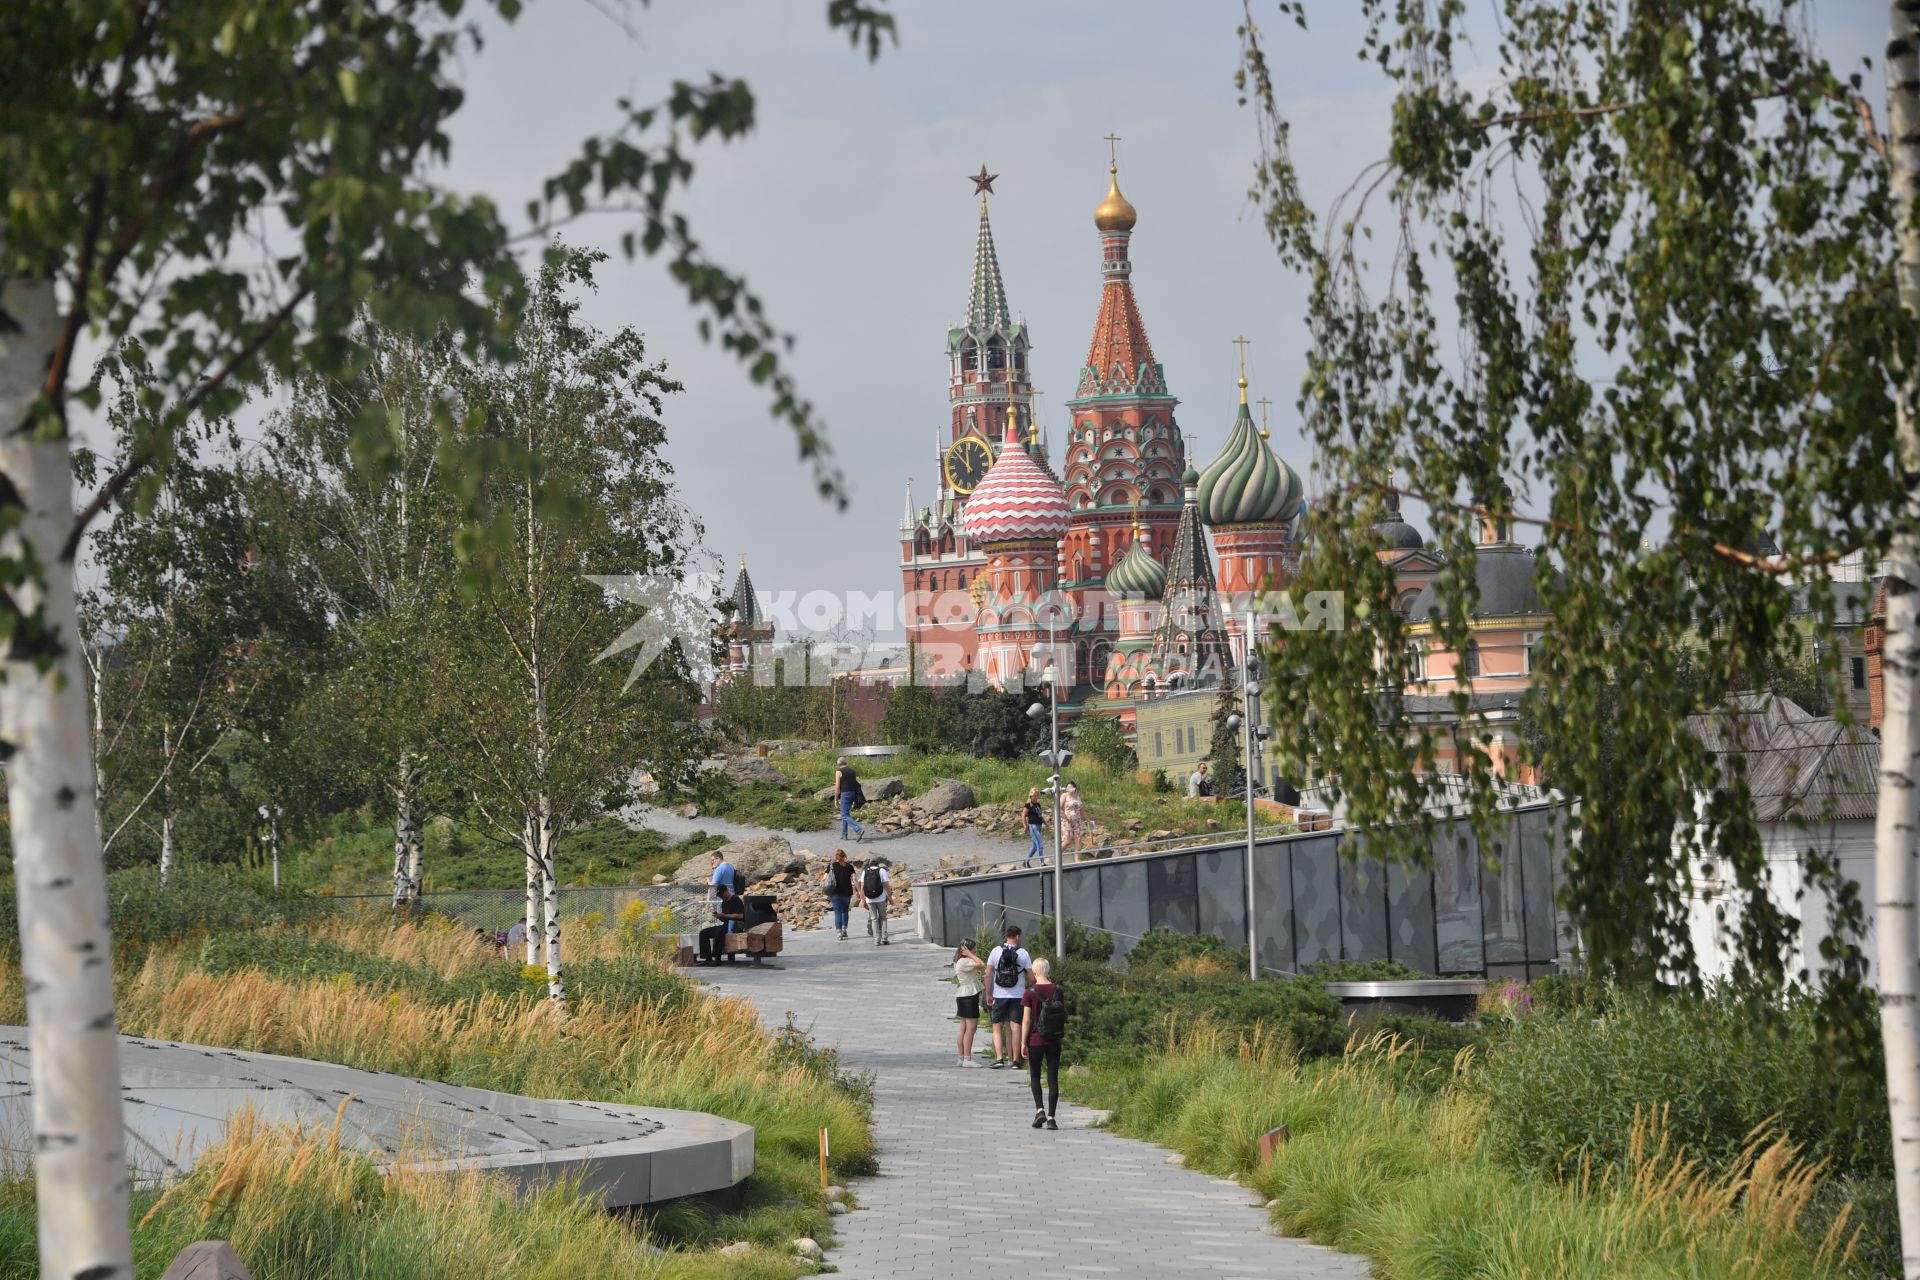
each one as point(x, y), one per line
point(1009, 964)
point(847, 794)
point(873, 887)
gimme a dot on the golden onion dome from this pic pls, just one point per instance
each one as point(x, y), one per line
point(1115, 212)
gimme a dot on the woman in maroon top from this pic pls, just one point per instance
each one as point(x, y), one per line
point(1043, 1017)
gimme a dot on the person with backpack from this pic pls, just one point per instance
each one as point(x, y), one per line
point(1043, 1025)
point(838, 880)
point(849, 796)
point(724, 873)
point(1009, 964)
point(873, 887)
point(1036, 817)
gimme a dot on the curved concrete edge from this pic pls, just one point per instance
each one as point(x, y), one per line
point(1408, 988)
point(632, 1172)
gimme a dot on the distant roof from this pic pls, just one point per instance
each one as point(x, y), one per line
point(1505, 576)
point(1797, 765)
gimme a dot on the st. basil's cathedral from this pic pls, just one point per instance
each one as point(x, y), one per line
point(1116, 544)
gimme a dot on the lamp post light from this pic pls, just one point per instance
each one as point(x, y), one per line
point(1247, 720)
point(1056, 760)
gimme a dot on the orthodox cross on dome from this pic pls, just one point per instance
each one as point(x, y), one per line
point(1264, 404)
point(1113, 148)
point(982, 181)
point(1241, 342)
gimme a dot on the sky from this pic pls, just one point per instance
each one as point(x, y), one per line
point(849, 211)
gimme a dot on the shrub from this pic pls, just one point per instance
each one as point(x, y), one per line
point(1084, 942)
point(1127, 1017)
point(194, 899)
point(1360, 971)
point(1567, 1086)
point(1161, 948)
point(1102, 740)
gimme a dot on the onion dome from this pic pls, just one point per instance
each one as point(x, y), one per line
point(1393, 532)
point(1137, 575)
point(1016, 501)
point(1115, 212)
point(1248, 483)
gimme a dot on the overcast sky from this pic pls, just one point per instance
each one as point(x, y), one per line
point(850, 212)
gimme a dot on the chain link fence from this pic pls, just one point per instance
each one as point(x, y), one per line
point(498, 909)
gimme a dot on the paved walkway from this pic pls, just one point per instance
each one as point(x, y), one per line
point(964, 1182)
point(919, 850)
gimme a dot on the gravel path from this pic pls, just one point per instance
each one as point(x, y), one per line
point(915, 850)
point(965, 1185)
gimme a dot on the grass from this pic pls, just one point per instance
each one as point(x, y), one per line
point(355, 855)
point(425, 999)
point(1400, 1170)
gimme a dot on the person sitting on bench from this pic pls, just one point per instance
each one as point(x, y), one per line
point(713, 939)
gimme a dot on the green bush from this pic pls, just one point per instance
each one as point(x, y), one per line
point(1565, 1086)
point(1360, 971)
point(1102, 740)
point(1160, 948)
point(1084, 942)
point(1128, 1018)
point(145, 912)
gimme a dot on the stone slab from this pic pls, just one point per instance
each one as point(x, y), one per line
point(177, 1098)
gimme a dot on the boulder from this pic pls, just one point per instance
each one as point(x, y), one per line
point(743, 770)
point(735, 1249)
point(877, 789)
point(945, 796)
point(809, 1248)
point(757, 859)
point(208, 1260)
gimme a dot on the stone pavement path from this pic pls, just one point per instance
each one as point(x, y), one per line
point(965, 1185)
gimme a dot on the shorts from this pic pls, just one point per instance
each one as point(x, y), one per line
point(967, 1006)
point(1006, 1009)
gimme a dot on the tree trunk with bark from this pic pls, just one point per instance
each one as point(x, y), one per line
point(79, 1142)
point(406, 833)
point(166, 845)
point(1897, 855)
point(533, 905)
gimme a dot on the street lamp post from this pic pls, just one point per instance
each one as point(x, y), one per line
point(1250, 733)
point(1057, 761)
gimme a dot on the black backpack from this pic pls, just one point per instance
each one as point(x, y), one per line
point(1053, 1016)
point(870, 883)
point(739, 883)
point(1006, 973)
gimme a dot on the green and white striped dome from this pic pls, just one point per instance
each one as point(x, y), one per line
point(1137, 575)
point(1248, 483)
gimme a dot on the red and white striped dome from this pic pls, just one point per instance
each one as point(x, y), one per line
point(1015, 501)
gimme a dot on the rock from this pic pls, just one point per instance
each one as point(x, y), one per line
point(208, 1260)
point(836, 1192)
point(1079, 1071)
point(1272, 1205)
point(746, 770)
point(1134, 824)
point(1177, 1160)
point(659, 879)
point(945, 796)
point(735, 1249)
point(808, 1247)
point(1097, 1118)
point(835, 1208)
point(756, 859)
point(877, 789)
point(688, 811)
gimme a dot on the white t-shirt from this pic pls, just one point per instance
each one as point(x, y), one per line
point(517, 934)
point(1019, 987)
point(885, 880)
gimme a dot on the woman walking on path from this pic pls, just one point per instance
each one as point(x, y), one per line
point(1035, 816)
point(969, 976)
point(1073, 812)
point(838, 879)
point(1043, 1023)
point(847, 793)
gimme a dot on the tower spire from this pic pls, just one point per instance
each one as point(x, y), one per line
point(987, 296)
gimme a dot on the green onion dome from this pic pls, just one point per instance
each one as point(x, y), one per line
point(1248, 483)
point(1137, 575)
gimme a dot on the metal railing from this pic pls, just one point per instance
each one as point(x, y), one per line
point(1127, 849)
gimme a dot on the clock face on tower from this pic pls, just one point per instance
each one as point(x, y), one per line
point(968, 461)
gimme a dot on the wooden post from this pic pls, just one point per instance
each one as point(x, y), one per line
point(1270, 1141)
point(823, 1157)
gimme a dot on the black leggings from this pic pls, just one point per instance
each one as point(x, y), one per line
point(1050, 1054)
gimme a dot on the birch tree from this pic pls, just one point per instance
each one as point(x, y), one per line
point(233, 184)
point(536, 734)
point(1642, 269)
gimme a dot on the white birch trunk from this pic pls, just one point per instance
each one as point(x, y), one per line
point(79, 1139)
point(273, 843)
point(166, 846)
point(533, 900)
point(1897, 856)
point(550, 893)
point(406, 833)
point(97, 666)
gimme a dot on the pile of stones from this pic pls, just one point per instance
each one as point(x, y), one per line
point(773, 866)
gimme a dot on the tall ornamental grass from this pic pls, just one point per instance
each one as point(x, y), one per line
point(1401, 1171)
